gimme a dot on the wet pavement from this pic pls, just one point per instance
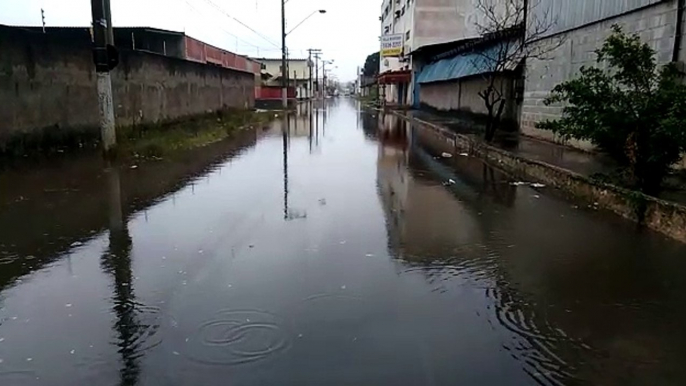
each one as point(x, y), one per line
point(566, 157)
point(338, 251)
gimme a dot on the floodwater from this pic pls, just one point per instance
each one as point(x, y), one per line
point(334, 249)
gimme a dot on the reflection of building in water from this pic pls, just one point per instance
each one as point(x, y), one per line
point(415, 206)
point(301, 122)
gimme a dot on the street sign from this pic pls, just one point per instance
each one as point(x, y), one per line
point(392, 45)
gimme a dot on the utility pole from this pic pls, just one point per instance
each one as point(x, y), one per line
point(316, 52)
point(105, 58)
point(324, 79)
point(309, 65)
point(42, 16)
point(108, 18)
point(284, 70)
point(316, 67)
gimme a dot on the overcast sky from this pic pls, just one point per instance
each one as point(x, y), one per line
point(347, 33)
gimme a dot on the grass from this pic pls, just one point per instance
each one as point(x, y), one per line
point(155, 141)
point(147, 141)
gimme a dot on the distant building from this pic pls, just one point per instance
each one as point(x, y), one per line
point(298, 74)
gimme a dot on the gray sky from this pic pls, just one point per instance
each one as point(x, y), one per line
point(347, 33)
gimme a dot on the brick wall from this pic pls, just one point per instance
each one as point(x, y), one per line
point(656, 25)
point(49, 83)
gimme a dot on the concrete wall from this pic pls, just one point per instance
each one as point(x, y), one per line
point(463, 95)
point(49, 83)
point(441, 21)
point(656, 25)
point(665, 217)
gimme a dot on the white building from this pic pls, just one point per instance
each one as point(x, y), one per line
point(298, 74)
point(421, 23)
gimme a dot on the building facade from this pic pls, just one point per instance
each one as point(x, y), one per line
point(582, 26)
point(298, 74)
point(421, 23)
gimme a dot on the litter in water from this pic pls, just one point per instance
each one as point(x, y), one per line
point(447, 155)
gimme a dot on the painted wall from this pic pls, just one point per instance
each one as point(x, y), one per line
point(655, 25)
point(441, 21)
point(569, 14)
point(463, 95)
point(297, 68)
point(49, 83)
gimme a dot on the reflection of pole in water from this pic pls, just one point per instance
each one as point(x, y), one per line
point(316, 138)
point(116, 261)
point(324, 116)
point(309, 116)
point(284, 132)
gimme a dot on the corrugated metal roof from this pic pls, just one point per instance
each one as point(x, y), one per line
point(464, 65)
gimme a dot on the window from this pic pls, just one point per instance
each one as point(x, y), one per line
point(407, 35)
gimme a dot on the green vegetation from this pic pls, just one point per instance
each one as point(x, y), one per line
point(372, 64)
point(153, 141)
point(628, 107)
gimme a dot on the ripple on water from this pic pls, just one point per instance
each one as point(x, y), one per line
point(137, 327)
point(534, 339)
point(5, 259)
point(236, 337)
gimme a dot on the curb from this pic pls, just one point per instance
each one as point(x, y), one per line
point(659, 215)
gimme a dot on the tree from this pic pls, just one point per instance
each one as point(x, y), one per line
point(371, 65)
point(515, 34)
point(628, 107)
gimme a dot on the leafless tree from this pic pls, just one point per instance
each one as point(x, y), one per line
point(517, 29)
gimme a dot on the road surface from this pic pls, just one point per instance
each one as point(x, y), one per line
point(339, 251)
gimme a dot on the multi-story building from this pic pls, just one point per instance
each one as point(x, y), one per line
point(418, 23)
point(298, 74)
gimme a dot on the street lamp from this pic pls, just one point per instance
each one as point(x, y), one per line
point(284, 82)
point(321, 11)
point(323, 86)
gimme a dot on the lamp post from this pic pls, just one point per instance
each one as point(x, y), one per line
point(323, 86)
point(284, 82)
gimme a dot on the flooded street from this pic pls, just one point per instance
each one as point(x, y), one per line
point(338, 251)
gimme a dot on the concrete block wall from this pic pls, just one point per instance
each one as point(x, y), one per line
point(49, 84)
point(656, 25)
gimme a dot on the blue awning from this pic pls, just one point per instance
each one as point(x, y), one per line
point(464, 65)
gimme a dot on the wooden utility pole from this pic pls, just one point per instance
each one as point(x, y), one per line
point(105, 58)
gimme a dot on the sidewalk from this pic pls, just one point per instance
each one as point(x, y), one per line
point(578, 161)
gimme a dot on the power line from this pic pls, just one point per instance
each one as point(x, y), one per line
point(241, 23)
point(223, 29)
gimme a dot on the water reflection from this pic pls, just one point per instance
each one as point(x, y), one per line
point(116, 261)
point(363, 257)
point(575, 294)
point(66, 208)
